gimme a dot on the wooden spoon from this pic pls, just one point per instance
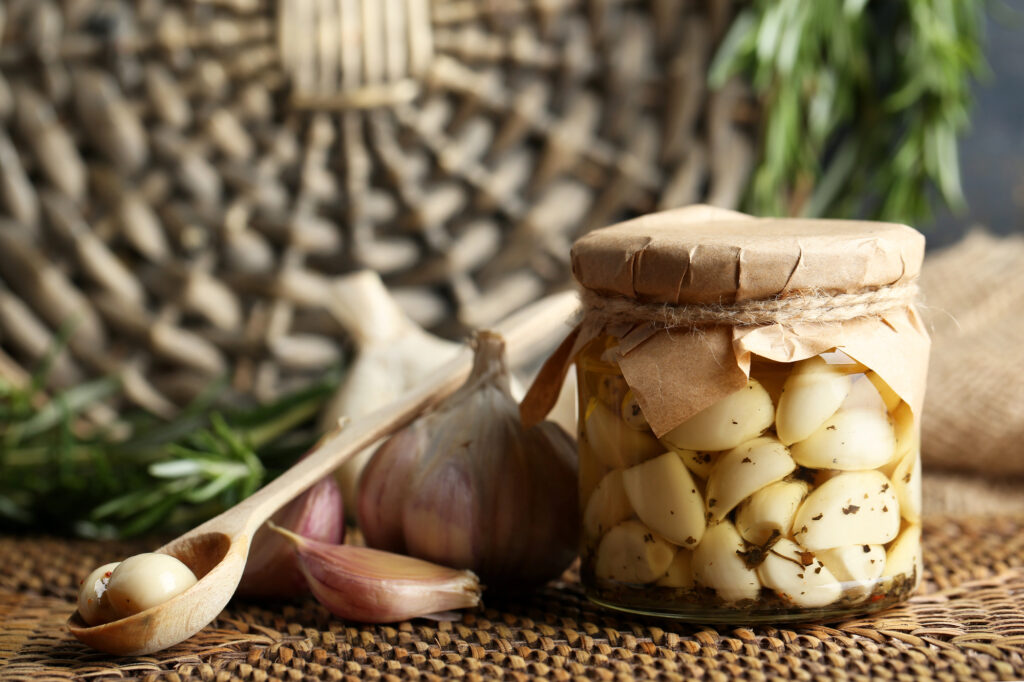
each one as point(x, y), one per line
point(217, 550)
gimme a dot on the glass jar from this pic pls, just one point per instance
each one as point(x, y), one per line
point(796, 497)
point(749, 401)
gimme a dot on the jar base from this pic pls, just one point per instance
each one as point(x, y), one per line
point(755, 613)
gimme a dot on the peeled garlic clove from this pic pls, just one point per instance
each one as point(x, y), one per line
point(850, 440)
point(611, 388)
point(631, 413)
point(632, 553)
point(607, 507)
point(812, 393)
point(904, 428)
point(699, 462)
point(904, 555)
point(888, 395)
point(373, 586)
point(592, 470)
point(856, 566)
point(146, 580)
point(854, 508)
point(798, 576)
point(680, 571)
point(732, 420)
point(614, 443)
point(93, 601)
point(906, 481)
point(770, 511)
point(743, 471)
point(718, 565)
point(864, 395)
point(272, 569)
point(665, 497)
point(736, 418)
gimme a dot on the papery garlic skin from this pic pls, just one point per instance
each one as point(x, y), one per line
point(392, 355)
point(373, 586)
point(272, 569)
point(483, 493)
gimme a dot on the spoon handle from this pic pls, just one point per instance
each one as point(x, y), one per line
point(526, 334)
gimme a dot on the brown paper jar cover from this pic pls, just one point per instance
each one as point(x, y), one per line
point(702, 255)
point(706, 255)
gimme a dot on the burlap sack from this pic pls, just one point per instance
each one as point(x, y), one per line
point(973, 421)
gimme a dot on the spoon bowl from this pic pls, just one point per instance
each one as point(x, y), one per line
point(217, 550)
point(214, 559)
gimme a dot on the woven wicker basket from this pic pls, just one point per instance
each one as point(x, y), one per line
point(177, 179)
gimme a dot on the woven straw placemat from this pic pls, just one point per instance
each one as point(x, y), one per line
point(967, 623)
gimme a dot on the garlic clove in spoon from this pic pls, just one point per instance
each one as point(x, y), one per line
point(373, 586)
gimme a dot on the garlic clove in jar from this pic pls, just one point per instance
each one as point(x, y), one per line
point(856, 566)
point(864, 395)
point(743, 471)
point(680, 571)
point(770, 511)
point(850, 440)
point(699, 462)
point(798, 576)
point(93, 601)
point(905, 429)
point(853, 508)
point(611, 389)
point(812, 393)
point(666, 498)
point(889, 396)
point(614, 443)
point(736, 418)
point(146, 580)
point(632, 415)
point(632, 553)
point(904, 555)
point(717, 564)
point(592, 471)
point(607, 507)
point(906, 481)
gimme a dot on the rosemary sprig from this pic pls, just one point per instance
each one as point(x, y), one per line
point(863, 102)
point(144, 474)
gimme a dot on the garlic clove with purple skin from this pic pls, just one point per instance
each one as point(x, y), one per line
point(373, 586)
point(272, 569)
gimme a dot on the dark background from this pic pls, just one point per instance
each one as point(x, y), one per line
point(992, 152)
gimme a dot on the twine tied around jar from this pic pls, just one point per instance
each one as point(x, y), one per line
point(354, 54)
point(814, 306)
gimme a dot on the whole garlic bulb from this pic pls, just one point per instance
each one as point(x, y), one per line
point(467, 486)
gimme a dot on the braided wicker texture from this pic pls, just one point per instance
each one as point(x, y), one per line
point(966, 624)
point(180, 178)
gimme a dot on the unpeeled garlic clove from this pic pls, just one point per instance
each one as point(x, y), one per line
point(272, 569)
point(632, 553)
point(850, 440)
point(770, 511)
point(798, 576)
point(717, 564)
point(743, 471)
point(665, 497)
point(736, 418)
point(374, 586)
point(812, 393)
point(853, 508)
point(608, 506)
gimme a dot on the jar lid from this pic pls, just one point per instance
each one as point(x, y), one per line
point(702, 254)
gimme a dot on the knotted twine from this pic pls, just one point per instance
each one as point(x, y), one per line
point(810, 306)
